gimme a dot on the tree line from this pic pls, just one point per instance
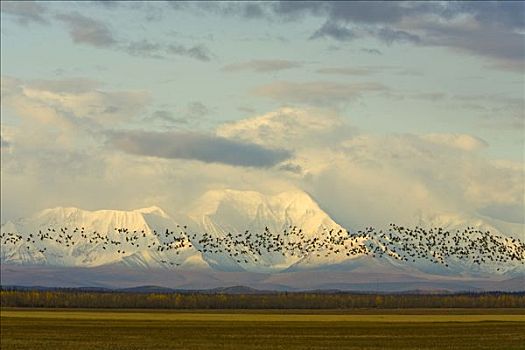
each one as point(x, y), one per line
point(279, 300)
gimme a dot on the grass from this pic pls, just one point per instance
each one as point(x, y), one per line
point(261, 329)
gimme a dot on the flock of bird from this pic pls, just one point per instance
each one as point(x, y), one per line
point(435, 245)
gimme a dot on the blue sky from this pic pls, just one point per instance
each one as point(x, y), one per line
point(448, 72)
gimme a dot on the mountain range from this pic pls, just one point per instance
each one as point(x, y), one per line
point(245, 233)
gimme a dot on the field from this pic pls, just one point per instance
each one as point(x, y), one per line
point(263, 329)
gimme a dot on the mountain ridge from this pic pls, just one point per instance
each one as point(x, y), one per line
point(232, 230)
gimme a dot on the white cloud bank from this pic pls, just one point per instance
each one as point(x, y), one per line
point(365, 179)
point(54, 157)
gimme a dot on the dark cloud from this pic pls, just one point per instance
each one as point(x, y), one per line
point(292, 168)
point(372, 51)
point(205, 148)
point(491, 29)
point(502, 14)
point(368, 12)
point(192, 114)
point(292, 10)
point(197, 110)
point(262, 66)
point(144, 48)
point(372, 12)
point(25, 11)
point(390, 36)
point(165, 118)
point(334, 31)
point(248, 10)
point(177, 5)
point(107, 4)
point(495, 111)
point(85, 30)
point(198, 52)
point(506, 46)
point(252, 10)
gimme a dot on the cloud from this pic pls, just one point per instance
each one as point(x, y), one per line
point(294, 127)
point(144, 48)
point(459, 141)
point(198, 52)
point(365, 70)
point(505, 14)
point(86, 30)
point(292, 168)
point(375, 12)
point(262, 66)
point(165, 119)
point(189, 116)
point(252, 10)
point(25, 11)
point(390, 36)
point(361, 178)
point(193, 146)
point(490, 29)
point(70, 106)
point(360, 11)
point(248, 10)
point(476, 39)
point(372, 51)
point(508, 65)
point(508, 213)
point(369, 175)
point(149, 49)
point(108, 4)
point(197, 110)
point(334, 31)
point(322, 93)
point(494, 111)
point(96, 33)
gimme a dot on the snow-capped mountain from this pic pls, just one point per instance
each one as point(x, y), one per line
point(247, 213)
point(230, 230)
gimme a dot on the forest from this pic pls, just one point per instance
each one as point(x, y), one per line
point(278, 300)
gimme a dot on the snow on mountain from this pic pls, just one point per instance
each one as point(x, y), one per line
point(231, 230)
point(247, 213)
point(75, 237)
point(470, 226)
point(236, 211)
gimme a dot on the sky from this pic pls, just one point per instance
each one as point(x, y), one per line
point(382, 111)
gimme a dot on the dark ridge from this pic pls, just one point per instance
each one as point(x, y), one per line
point(148, 289)
point(245, 290)
point(238, 290)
